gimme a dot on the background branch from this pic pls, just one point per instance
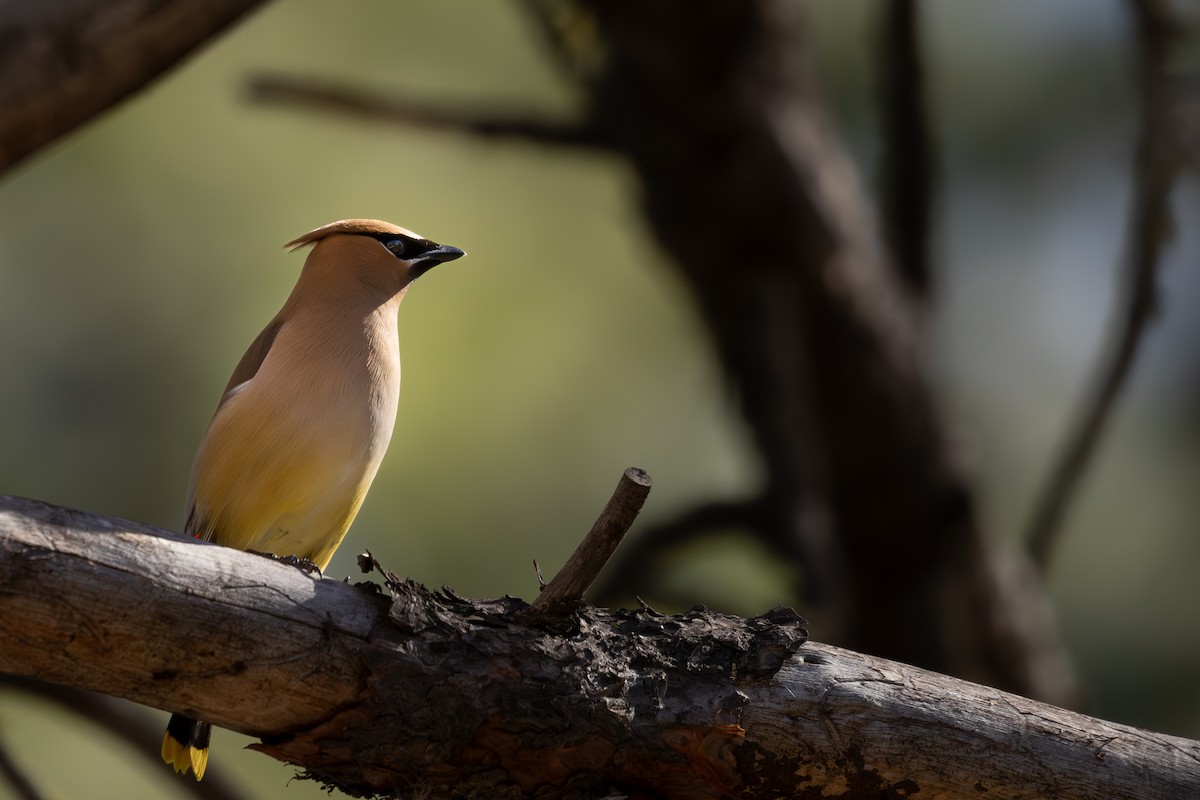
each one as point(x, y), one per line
point(347, 101)
point(64, 63)
point(1156, 165)
point(908, 160)
point(11, 773)
point(141, 731)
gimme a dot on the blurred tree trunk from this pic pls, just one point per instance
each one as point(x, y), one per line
point(747, 188)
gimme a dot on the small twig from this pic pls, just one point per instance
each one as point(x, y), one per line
point(908, 168)
point(1156, 167)
point(12, 773)
point(141, 731)
point(348, 101)
point(566, 589)
point(639, 559)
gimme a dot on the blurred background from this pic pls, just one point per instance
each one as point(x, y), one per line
point(140, 255)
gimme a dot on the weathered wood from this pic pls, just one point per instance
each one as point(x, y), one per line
point(64, 61)
point(129, 610)
point(465, 698)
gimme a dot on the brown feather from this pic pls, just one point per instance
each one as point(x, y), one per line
point(252, 359)
point(352, 226)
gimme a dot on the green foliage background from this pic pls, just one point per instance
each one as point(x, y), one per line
point(139, 256)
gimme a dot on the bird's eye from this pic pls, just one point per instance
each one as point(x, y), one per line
point(395, 247)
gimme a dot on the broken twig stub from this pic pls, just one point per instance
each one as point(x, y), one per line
point(566, 590)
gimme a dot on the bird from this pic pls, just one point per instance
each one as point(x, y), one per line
point(305, 419)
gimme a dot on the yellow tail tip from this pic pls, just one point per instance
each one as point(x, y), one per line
point(183, 756)
point(199, 761)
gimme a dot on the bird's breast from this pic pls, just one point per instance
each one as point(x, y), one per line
point(289, 456)
point(342, 388)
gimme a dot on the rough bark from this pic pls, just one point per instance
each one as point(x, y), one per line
point(64, 61)
point(435, 694)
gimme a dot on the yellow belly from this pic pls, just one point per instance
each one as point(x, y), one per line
point(279, 483)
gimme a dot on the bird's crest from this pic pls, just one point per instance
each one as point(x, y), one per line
point(366, 227)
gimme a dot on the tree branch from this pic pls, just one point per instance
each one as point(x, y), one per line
point(12, 774)
point(140, 730)
point(454, 697)
point(1157, 163)
point(908, 164)
point(63, 63)
point(357, 103)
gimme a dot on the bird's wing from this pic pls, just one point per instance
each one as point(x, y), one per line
point(252, 359)
point(246, 369)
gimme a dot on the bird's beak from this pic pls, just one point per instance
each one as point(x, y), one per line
point(431, 258)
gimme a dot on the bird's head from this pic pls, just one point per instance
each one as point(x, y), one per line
point(378, 252)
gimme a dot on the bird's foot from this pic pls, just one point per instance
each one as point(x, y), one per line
point(305, 565)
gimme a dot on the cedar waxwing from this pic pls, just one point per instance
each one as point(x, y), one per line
point(307, 414)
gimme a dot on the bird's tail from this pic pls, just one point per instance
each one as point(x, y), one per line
point(185, 744)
